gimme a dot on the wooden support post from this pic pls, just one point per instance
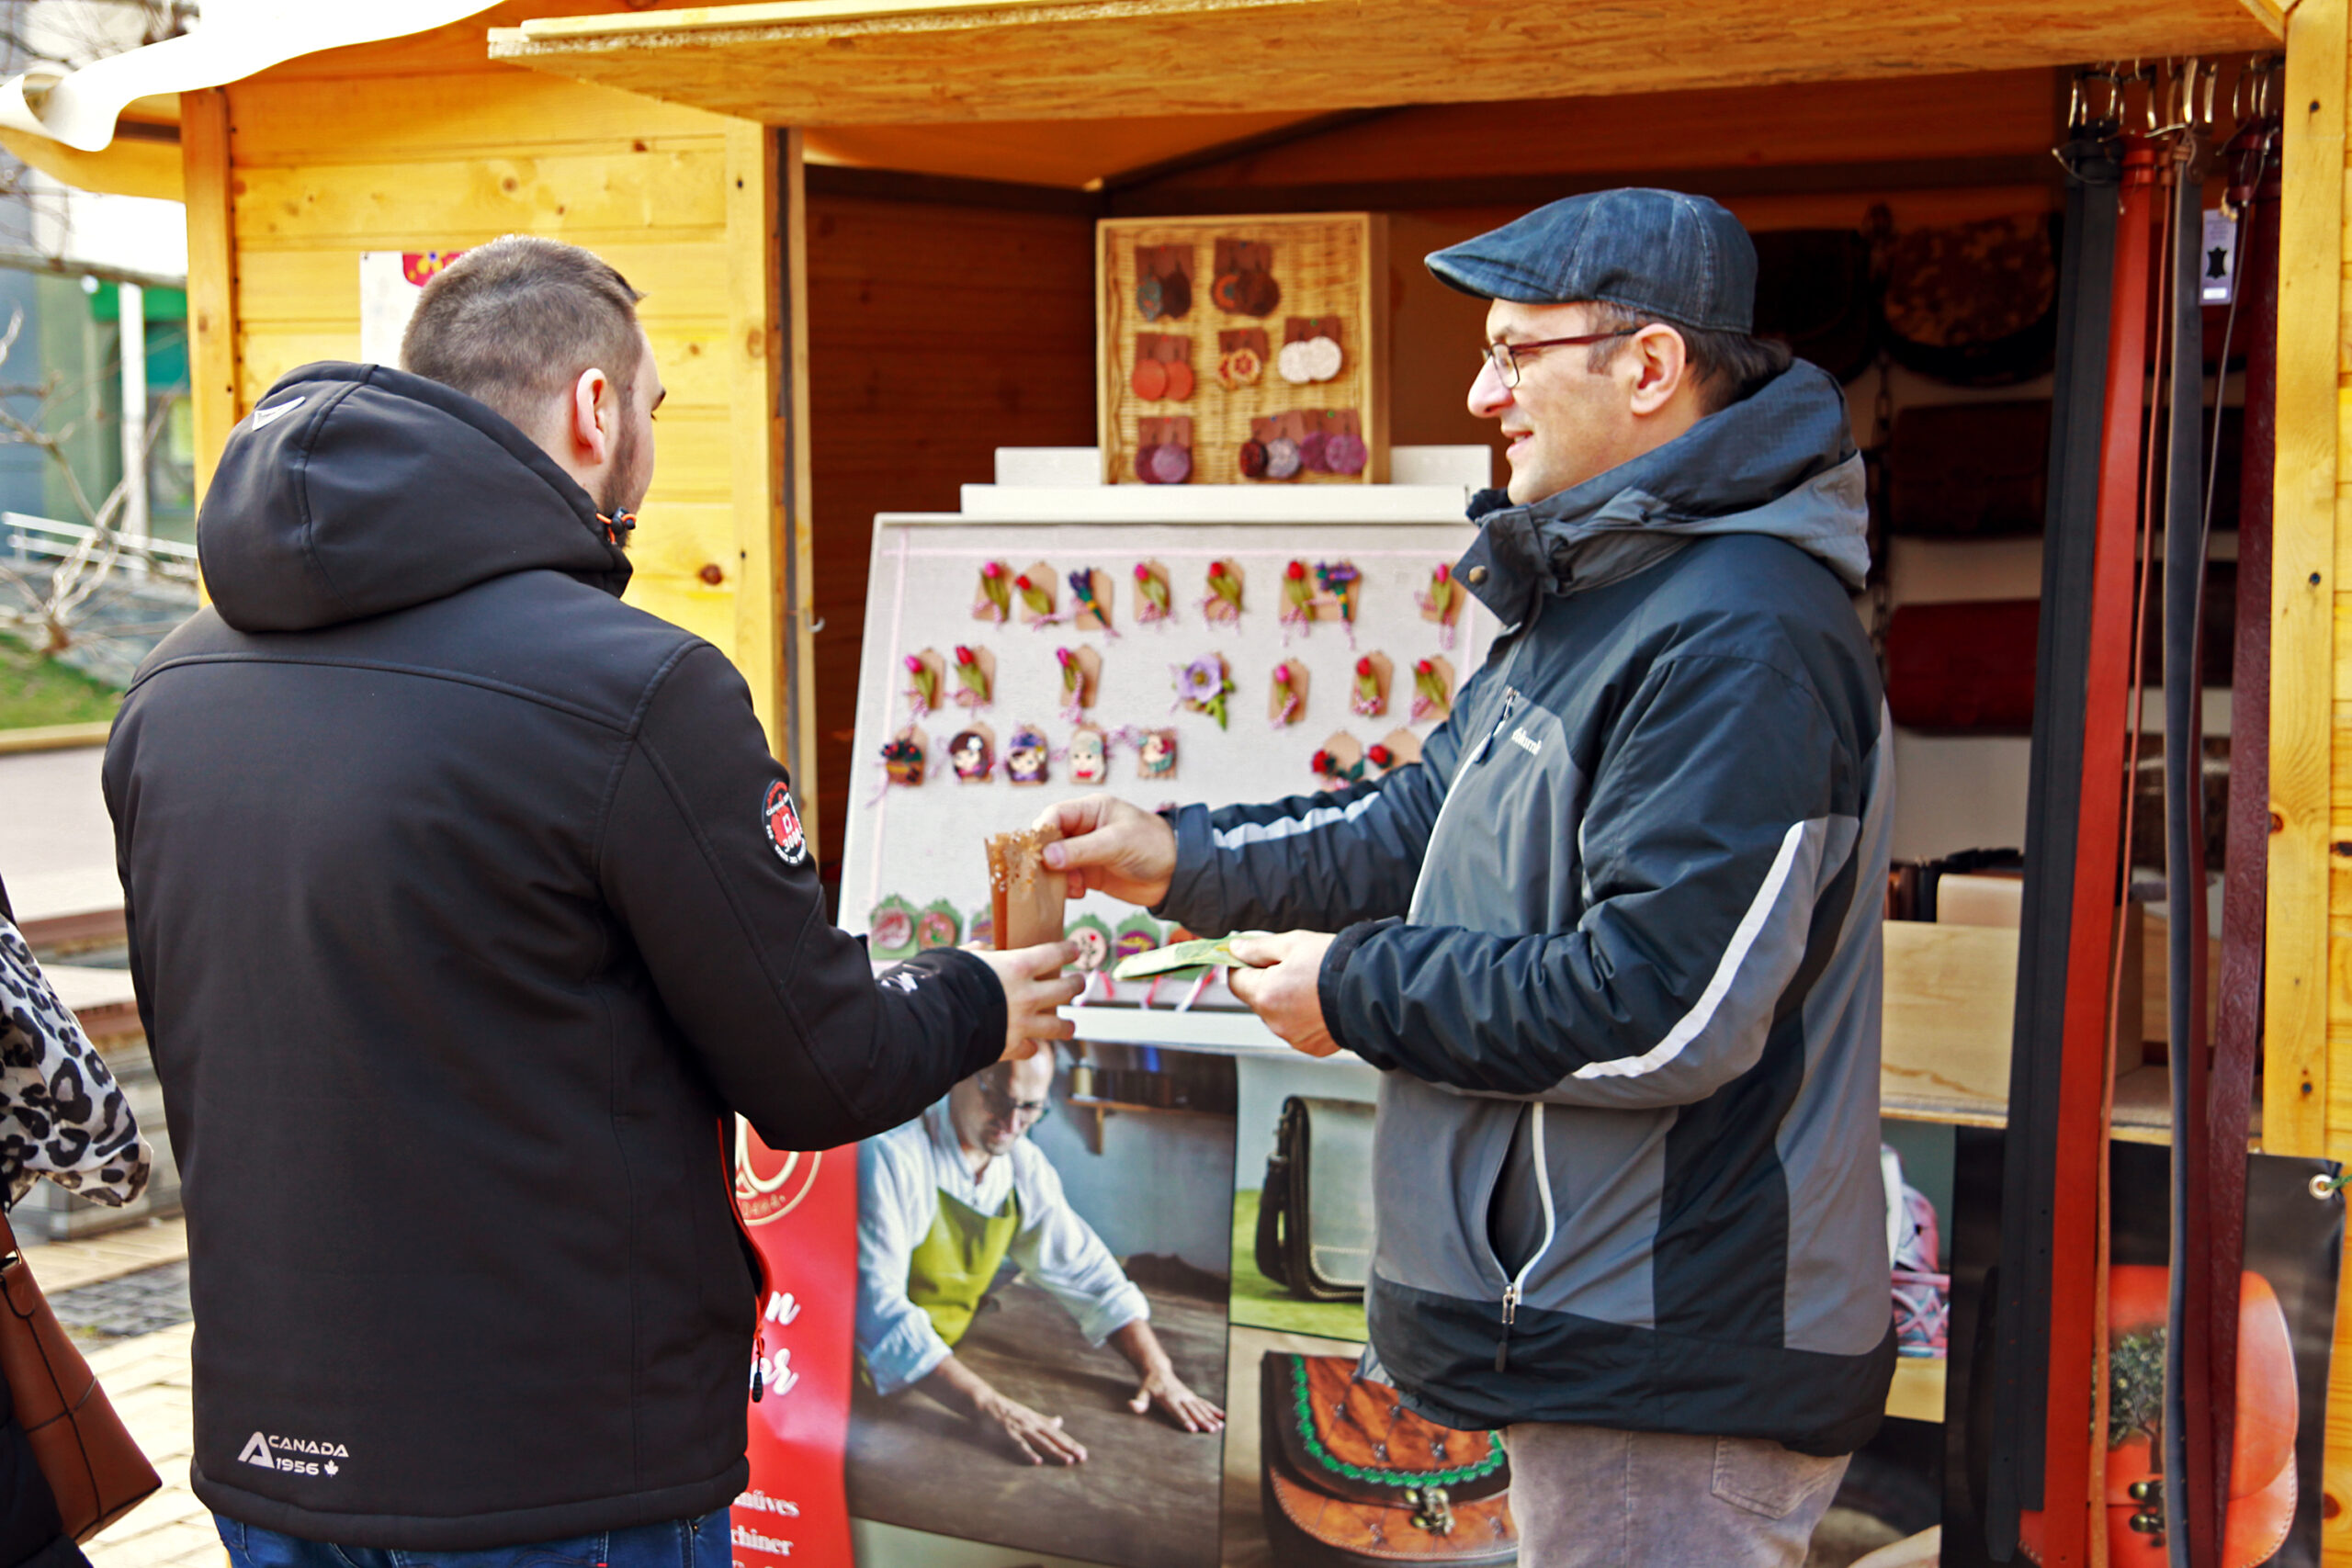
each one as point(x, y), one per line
point(2304, 590)
point(2313, 422)
point(768, 311)
point(211, 276)
point(799, 575)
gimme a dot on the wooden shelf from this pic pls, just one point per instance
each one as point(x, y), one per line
point(1091, 1126)
point(1091, 1102)
point(1944, 1048)
point(1919, 1391)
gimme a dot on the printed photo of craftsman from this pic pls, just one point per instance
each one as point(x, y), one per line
point(1040, 1330)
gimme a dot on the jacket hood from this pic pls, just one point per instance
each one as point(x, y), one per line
point(355, 490)
point(1780, 462)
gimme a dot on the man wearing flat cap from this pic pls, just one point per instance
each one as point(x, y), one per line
point(1613, 942)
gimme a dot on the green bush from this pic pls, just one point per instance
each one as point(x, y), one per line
point(35, 692)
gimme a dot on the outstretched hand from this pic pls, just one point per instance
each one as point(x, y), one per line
point(1110, 846)
point(1040, 1437)
point(1160, 1386)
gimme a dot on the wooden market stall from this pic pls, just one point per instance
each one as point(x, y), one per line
point(864, 230)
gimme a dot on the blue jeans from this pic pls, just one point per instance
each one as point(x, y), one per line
point(680, 1543)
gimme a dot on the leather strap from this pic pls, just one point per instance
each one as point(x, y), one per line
point(2080, 1159)
point(2191, 1518)
point(2254, 188)
point(2039, 1396)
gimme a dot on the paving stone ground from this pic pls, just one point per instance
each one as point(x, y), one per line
point(124, 1297)
point(147, 1377)
point(125, 1307)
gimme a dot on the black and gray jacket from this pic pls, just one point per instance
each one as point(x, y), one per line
point(466, 903)
point(1615, 943)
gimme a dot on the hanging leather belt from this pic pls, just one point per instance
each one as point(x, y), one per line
point(2190, 1518)
point(2254, 321)
point(2039, 1453)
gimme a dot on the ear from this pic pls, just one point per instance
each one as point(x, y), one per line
point(589, 418)
point(1659, 363)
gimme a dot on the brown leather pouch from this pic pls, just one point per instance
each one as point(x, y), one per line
point(1028, 898)
point(1350, 1476)
point(84, 1451)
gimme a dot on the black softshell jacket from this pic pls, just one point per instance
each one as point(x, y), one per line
point(464, 906)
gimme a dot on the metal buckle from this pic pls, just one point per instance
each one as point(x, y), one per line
point(1432, 1509)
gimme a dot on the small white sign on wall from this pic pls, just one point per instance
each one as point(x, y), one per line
point(2217, 276)
point(389, 283)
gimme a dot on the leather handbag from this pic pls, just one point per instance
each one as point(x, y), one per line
point(1350, 1476)
point(1964, 668)
point(1971, 304)
point(1315, 1215)
point(84, 1451)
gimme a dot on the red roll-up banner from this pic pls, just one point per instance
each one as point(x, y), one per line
point(800, 1210)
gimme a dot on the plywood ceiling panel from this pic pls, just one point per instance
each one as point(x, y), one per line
point(845, 62)
point(1071, 153)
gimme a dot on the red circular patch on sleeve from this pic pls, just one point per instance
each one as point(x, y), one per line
point(783, 824)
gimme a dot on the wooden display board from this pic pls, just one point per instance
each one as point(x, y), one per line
point(922, 843)
point(1260, 284)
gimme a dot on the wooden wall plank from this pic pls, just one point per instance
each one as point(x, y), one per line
point(692, 363)
point(2302, 680)
point(675, 540)
point(620, 192)
point(211, 276)
point(319, 284)
point(470, 114)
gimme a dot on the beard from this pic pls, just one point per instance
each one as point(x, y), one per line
point(624, 487)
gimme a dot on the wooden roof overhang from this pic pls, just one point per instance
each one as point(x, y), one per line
point(842, 62)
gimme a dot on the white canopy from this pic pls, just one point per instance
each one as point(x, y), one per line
point(235, 38)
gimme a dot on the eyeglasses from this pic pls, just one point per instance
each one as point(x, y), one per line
point(1001, 1104)
point(1504, 356)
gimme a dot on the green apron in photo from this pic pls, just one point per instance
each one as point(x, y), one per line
point(950, 1272)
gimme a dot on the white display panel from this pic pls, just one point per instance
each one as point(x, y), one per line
point(924, 844)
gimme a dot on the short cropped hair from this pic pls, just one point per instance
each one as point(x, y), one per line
point(1730, 366)
point(512, 324)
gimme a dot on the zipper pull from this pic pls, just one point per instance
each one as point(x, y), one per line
point(1511, 701)
point(759, 1366)
point(1511, 1315)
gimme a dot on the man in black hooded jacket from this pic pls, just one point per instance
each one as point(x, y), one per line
point(466, 903)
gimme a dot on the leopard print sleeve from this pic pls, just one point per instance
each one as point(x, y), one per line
point(62, 1114)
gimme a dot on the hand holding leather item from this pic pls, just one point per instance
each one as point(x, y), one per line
point(1110, 846)
point(1279, 986)
point(1034, 988)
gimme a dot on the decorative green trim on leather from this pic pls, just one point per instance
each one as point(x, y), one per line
point(1304, 1404)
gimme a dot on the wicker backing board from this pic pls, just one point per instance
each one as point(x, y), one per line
point(1327, 264)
